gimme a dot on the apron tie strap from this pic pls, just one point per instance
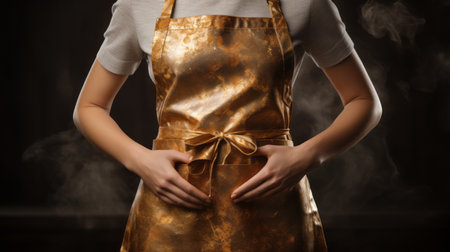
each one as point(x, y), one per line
point(205, 144)
point(245, 144)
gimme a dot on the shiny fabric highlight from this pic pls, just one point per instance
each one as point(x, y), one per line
point(223, 88)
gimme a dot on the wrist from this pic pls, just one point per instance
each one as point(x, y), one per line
point(308, 149)
point(135, 153)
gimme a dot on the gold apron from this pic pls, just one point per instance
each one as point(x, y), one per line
point(223, 88)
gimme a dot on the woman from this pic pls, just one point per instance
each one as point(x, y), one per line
point(223, 173)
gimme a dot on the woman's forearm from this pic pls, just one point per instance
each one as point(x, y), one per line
point(354, 122)
point(155, 167)
point(95, 123)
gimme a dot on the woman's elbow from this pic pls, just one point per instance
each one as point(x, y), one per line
point(76, 116)
point(377, 110)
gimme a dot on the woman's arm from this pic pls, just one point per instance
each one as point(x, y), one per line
point(362, 110)
point(92, 115)
point(156, 167)
point(287, 165)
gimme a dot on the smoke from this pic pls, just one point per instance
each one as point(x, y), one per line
point(69, 174)
point(364, 178)
point(395, 20)
point(429, 63)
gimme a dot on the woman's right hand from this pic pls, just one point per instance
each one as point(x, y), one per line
point(156, 168)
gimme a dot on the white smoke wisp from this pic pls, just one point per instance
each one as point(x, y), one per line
point(364, 178)
point(394, 20)
point(81, 178)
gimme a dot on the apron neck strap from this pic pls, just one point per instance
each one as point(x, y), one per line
point(276, 13)
point(167, 8)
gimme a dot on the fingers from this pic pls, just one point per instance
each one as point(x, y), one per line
point(264, 183)
point(179, 201)
point(265, 190)
point(172, 198)
point(174, 189)
point(267, 185)
point(252, 183)
point(180, 156)
point(192, 191)
point(186, 197)
point(187, 190)
point(271, 191)
point(173, 193)
point(256, 180)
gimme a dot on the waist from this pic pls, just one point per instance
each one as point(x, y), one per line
point(240, 144)
point(165, 132)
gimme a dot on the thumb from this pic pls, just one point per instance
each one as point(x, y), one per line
point(181, 157)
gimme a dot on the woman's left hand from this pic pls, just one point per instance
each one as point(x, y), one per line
point(284, 168)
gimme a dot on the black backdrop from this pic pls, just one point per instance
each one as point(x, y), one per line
point(388, 193)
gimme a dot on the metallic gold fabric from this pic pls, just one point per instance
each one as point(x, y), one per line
point(223, 88)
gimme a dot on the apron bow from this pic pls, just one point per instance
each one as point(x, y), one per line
point(211, 140)
point(245, 144)
point(204, 145)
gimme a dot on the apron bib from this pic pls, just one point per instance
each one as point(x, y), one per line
point(223, 88)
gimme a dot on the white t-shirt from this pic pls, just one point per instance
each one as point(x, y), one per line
point(315, 27)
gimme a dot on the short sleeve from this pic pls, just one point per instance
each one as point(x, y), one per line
point(326, 39)
point(120, 52)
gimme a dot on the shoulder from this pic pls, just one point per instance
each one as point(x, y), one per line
point(296, 5)
point(308, 7)
point(297, 15)
point(137, 8)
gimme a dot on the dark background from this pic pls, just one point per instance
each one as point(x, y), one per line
point(390, 192)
